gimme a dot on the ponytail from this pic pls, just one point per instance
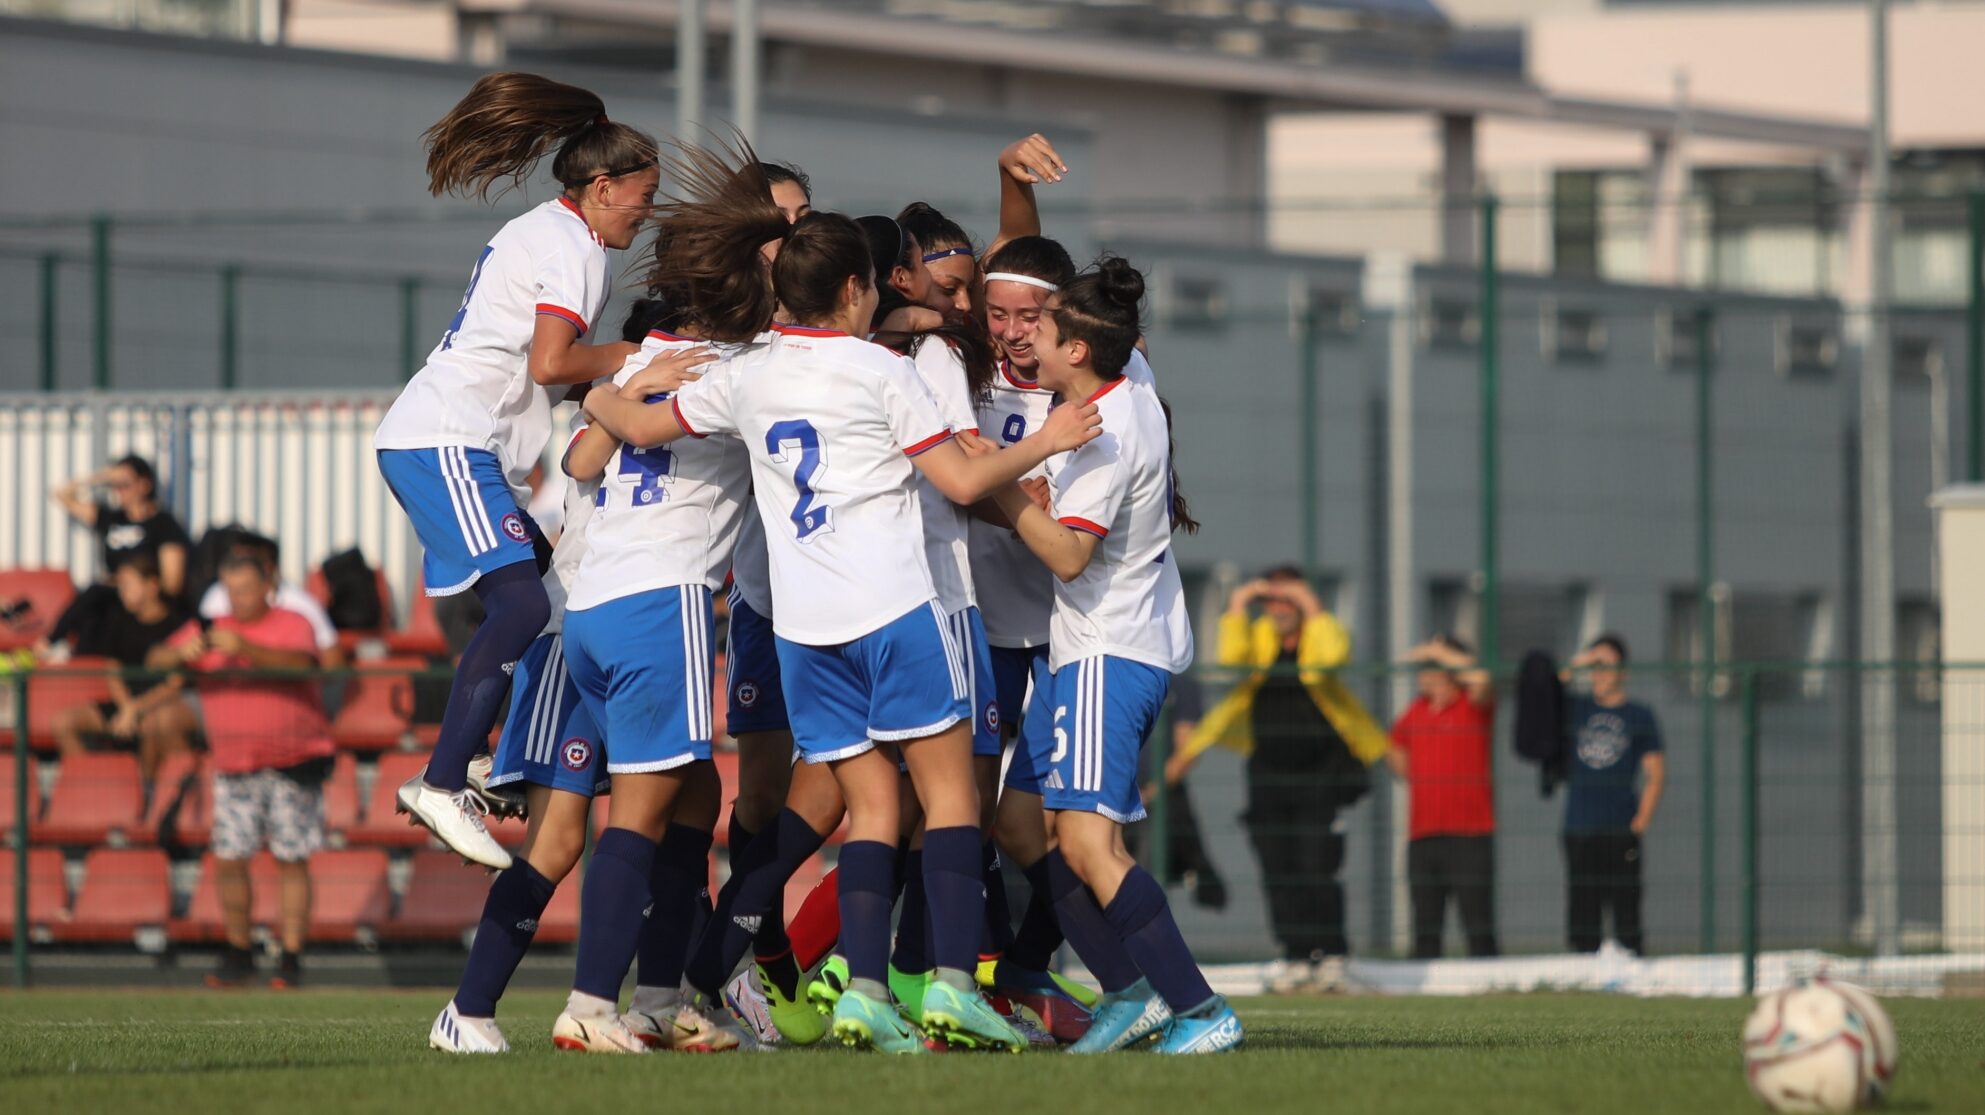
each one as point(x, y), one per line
point(823, 251)
point(708, 240)
point(1181, 510)
point(510, 122)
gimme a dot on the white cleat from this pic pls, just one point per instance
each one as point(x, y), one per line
point(454, 1032)
point(594, 1035)
point(455, 818)
point(704, 1027)
point(506, 800)
point(747, 1001)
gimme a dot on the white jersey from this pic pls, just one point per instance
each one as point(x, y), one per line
point(1015, 592)
point(668, 515)
point(946, 523)
point(831, 422)
point(570, 551)
point(1128, 602)
point(476, 389)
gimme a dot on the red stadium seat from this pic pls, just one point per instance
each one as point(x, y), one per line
point(341, 799)
point(9, 810)
point(349, 897)
point(124, 890)
point(202, 923)
point(166, 790)
point(560, 923)
point(47, 593)
point(96, 799)
point(383, 826)
point(443, 900)
point(378, 708)
point(422, 635)
point(48, 894)
point(53, 689)
point(320, 590)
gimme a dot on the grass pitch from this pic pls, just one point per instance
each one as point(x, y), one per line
point(322, 1051)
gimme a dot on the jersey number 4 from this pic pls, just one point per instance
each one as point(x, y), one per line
point(455, 323)
point(809, 516)
point(649, 470)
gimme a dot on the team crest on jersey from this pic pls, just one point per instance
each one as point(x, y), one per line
point(747, 694)
point(514, 527)
point(992, 717)
point(577, 754)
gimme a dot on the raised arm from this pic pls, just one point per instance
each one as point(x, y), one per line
point(71, 495)
point(1022, 164)
point(965, 479)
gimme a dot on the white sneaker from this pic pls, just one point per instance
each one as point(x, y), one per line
point(704, 1027)
point(456, 818)
point(454, 1032)
point(651, 1016)
point(1328, 977)
point(594, 1035)
point(506, 800)
point(747, 1001)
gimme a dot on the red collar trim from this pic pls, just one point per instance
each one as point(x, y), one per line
point(806, 330)
point(665, 335)
point(1105, 389)
point(574, 209)
point(1006, 369)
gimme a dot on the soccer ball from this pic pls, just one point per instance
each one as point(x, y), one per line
point(1819, 1045)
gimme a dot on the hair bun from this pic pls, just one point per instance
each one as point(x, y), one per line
point(1121, 283)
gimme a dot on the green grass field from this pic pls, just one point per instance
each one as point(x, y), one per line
point(321, 1051)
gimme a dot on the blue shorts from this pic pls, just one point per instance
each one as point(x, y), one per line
point(645, 669)
point(756, 699)
point(463, 512)
point(1013, 669)
point(1103, 710)
point(908, 680)
point(549, 738)
point(969, 631)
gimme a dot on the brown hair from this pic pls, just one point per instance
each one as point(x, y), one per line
point(509, 122)
point(823, 250)
point(710, 227)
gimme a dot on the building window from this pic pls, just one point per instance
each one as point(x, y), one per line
point(1919, 636)
point(1450, 323)
point(1753, 627)
point(1573, 335)
point(1807, 347)
point(1196, 302)
point(1916, 360)
point(1557, 619)
point(1676, 336)
point(1335, 310)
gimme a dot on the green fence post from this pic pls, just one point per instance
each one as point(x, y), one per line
point(1974, 403)
point(51, 275)
point(409, 326)
point(1306, 420)
point(1491, 590)
point(1750, 791)
point(230, 327)
point(20, 680)
point(100, 302)
point(1706, 614)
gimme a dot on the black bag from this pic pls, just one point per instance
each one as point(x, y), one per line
point(1540, 717)
point(355, 603)
point(203, 568)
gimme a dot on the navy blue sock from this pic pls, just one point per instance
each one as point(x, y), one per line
point(737, 835)
point(912, 916)
point(999, 917)
point(1092, 934)
point(868, 869)
point(1033, 947)
point(509, 920)
point(954, 877)
point(750, 903)
point(676, 886)
point(517, 610)
point(1143, 921)
point(610, 911)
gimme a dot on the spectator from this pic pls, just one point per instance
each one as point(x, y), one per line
point(215, 602)
point(271, 753)
point(130, 522)
point(1615, 743)
point(1308, 743)
point(1441, 751)
point(144, 713)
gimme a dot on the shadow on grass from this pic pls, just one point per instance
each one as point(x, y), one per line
point(1324, 1043)
point(77, 1070)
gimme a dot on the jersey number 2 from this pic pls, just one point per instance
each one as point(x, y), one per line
point(455, 323)
point(809, 518)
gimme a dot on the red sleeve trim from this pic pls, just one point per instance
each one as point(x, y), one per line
point(1096, 529)
point(576, 321)
point(675, 405)
point(973, 430)
point(576, 435)
point(930, 442)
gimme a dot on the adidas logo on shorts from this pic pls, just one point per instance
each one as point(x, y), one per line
point(1053, 781)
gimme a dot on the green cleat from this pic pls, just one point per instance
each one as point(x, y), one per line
point(796, 1019)
point(909, 988)
point(861, 1022)
point(825, 990)
point(964, 1020)
point(1087, 996)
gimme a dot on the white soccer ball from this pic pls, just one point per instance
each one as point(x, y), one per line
point(1819, 1045)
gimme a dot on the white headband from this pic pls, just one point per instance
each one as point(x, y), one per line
point(1026, 280)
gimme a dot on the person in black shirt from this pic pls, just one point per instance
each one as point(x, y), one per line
point(143, 712)
point(1614, 773)
point(130, 522)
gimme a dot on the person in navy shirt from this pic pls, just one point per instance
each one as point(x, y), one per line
point(1615, 772)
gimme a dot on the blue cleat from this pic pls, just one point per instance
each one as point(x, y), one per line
point(1212, 1028)
point(1124, 1018)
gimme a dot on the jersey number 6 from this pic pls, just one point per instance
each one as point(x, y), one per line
point(808, 518)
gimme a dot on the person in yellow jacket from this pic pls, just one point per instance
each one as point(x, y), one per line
point(1309, 744)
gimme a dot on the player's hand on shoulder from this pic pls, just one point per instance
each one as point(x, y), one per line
point(974, 445)
point(1070, 426)
point(667, 373)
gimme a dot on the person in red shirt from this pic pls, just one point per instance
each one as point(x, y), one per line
point(271, 751)
point(1441, 750)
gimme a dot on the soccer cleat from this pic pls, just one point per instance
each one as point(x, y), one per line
point(1036, 994)
point(825, 990)
point(1124, 1018)
point(749, 1003)
point(454, 1032)
point(236, 967)
point(504, 801)
point(1213, 1028)
point(289, 973)
point(994, 972)
point(1087, 996)
point(863, 1023)
point(701, 1026)
point(1022, 1022)
point(455, 818)
point(964, 1020)
point(594, 1035)
point(795, 1019)
point(909, 988)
